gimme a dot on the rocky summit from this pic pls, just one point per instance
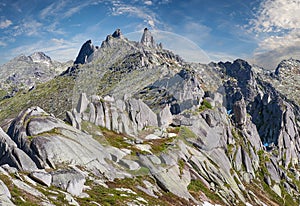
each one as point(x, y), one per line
point(131, 123)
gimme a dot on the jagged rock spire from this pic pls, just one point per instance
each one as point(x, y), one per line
point(117, 34)
point(86, 50)
point(147, 39)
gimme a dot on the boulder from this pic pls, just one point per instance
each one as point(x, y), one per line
point(62, 144)
point(130, 164)
point(165, 117)
point(12, 155)
point(42, 177)
point(69, 180)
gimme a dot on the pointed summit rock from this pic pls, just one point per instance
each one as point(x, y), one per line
point(147, 39)
point(117, 34)
point(40, 57)
point(86, 50)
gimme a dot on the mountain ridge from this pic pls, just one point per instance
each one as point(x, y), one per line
point(172, 132)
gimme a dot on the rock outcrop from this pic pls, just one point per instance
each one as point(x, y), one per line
point(147, 39)
point(127, 116)
point(86, 50)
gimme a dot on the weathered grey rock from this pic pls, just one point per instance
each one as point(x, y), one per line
point(115, 153)
point(169, 180)
point(152, 137)
point(154, 159)
point(150, 189)
point(165, 117)
point(141, 114)
point(240, 113)
point(147, 39)
point(69, 180)
point(27, 188)
point(92, 113)
point(82, 103)
point(238, 159)
point(4, 193)
point(130, 164)
point(168, 159)
point(12, 155)
point(273, 172)
point(42, 177)
point(247, 161)
point(277, 189)
point(62, 144)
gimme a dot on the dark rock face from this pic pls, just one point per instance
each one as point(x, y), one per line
point(242, 71)
point(86, 50)
point(117, 34)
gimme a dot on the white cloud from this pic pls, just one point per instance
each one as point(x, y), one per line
point(149, 3)
point(277, 26)
point(142, 13)
point(277, 15)
point(5, 23)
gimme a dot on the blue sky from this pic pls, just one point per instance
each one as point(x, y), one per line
point(261, 31)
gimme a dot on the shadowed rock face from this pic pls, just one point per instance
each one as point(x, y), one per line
point(86, 50)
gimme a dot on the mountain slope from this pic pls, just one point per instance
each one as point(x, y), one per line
point(144, 127)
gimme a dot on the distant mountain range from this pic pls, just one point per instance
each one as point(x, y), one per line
point(24, 72)
point(131, 123)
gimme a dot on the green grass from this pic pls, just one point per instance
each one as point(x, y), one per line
point(181, 165)
point(54, 97)
point(205, 105)
point(185, 133)
point(17, 194)
point(111, 196)
point(196, 186)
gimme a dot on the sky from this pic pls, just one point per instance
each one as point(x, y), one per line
point(264, 32)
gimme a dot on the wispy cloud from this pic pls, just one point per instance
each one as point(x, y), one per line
point(5, 23)
point(144, 13)
point(277, 26)
point(196, 32)
point(28, 27)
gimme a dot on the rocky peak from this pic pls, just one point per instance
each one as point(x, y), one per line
point(117, 34)
point(147, 39)
point(40, 57)
point(286, 67)
point(86, 50)
point(21, 57)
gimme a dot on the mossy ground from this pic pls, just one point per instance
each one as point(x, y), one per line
point(111, 196)
point(196, 188)
point(19, 197)
point(54, 97)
